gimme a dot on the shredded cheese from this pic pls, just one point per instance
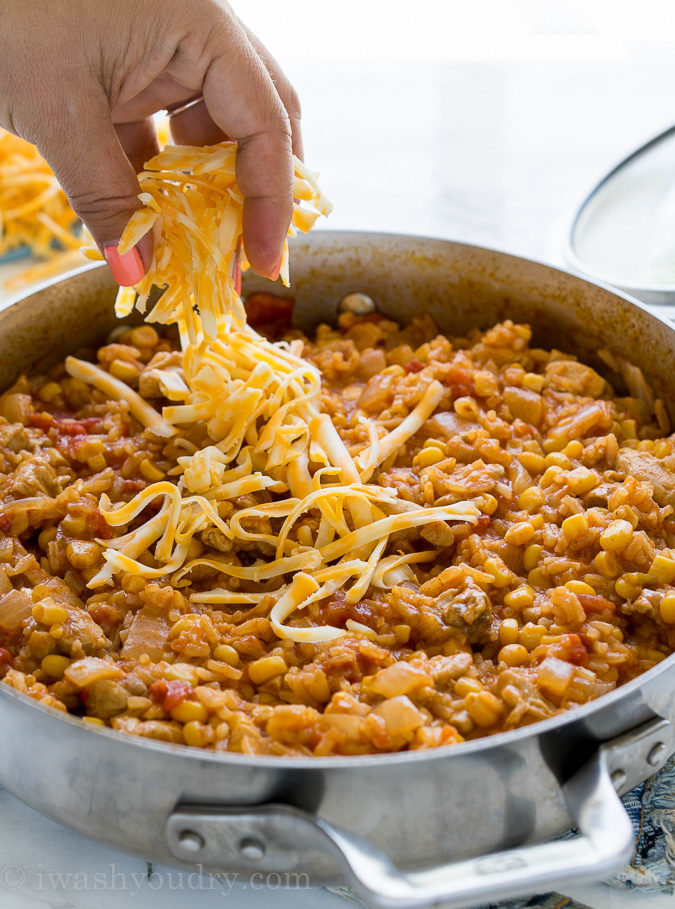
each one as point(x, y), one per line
point(34, 210)
point(327, 527)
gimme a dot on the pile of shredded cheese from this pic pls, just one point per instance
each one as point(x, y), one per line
point(34, 210)
point(261, 405)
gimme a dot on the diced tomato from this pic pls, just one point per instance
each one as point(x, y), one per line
point(482, 523)
point(170, 694)
point(6, 658)
point(591, 602)
point(414, 366)
point(268, 313)
point(5, 521)
point(573, 648)
point(42, 420)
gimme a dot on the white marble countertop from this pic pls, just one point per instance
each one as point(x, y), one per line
point(495, 151)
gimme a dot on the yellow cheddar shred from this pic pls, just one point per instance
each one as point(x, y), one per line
point(34, 210)
point(260, 403)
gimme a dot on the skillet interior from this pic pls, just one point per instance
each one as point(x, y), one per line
point(463, 287)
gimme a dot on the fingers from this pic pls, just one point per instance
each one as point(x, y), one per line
point(138, 141)
point(83, 149)
point(288, 95)
point(243, 102)
point(195, 126)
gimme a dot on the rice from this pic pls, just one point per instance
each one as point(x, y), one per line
point(563, 590)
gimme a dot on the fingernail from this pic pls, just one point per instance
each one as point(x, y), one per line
point(127, 269)
point(275, 271)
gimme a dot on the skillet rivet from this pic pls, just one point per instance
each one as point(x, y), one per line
point(252, 849)
point(191, 841)
point(618, 778)
point(657, 754)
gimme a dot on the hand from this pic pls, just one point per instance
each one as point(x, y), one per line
point(81, 80)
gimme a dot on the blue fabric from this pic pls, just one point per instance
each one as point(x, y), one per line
point(651, 808)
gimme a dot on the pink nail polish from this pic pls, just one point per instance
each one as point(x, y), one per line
point(276, 270)
point(127, 269)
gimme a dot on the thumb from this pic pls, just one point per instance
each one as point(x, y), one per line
point(101, 185)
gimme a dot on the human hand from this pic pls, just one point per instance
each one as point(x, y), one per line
point(81, 80)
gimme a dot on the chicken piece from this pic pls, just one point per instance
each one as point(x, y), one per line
point(447, 425)
point(524, 404)
point(659, 474)
point(106, 698)
point(573, 377)
point(14, 437)
point(33, 477)
point(470, 611)
point(163, 361)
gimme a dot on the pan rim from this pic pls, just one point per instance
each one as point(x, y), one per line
point(461, 749)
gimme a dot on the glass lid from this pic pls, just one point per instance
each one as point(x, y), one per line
point(624, 231)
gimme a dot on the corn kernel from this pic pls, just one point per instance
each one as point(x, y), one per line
point(402, 633)
point(616, 536)
point(124, 370)
point(627, 589)
point(94, 720)
point(667, 609)
point(607, 564)
point(466, 685)
point(532, 461)
point(662, 569)
point(45, 538)
point(55, 665)
point(47, 612)
point(579, 587)
point(575, 526)
point(513, 655)
point(488, 503)
point(429, 456)
point(226, 654)
point(537, 521)
point(629, 429)
point(573, 449)
point(554, 443)
point(483, 707)
point(626, 513)
point(501, 576)
point(150, 471)
point(519, 598)
point(197, 735)
point(97, 463)
point(530, 635)
point(538, 578)
point(49, 391)
point(519, 534)
point(508, 631)
point(550, 475)
point(190, 711)
point(143, 336)
point(533, 382)
point(531, 556)
point(558, 459)
point(662, 449)
point(581, 480)
point(531, 498)
point(266, 668)
point(432, 443)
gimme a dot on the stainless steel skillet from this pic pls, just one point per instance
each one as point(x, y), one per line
point(458, 825)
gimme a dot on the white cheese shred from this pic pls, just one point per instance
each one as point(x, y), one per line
point(327, 527)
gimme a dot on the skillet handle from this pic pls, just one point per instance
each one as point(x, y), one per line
point(275, 836)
